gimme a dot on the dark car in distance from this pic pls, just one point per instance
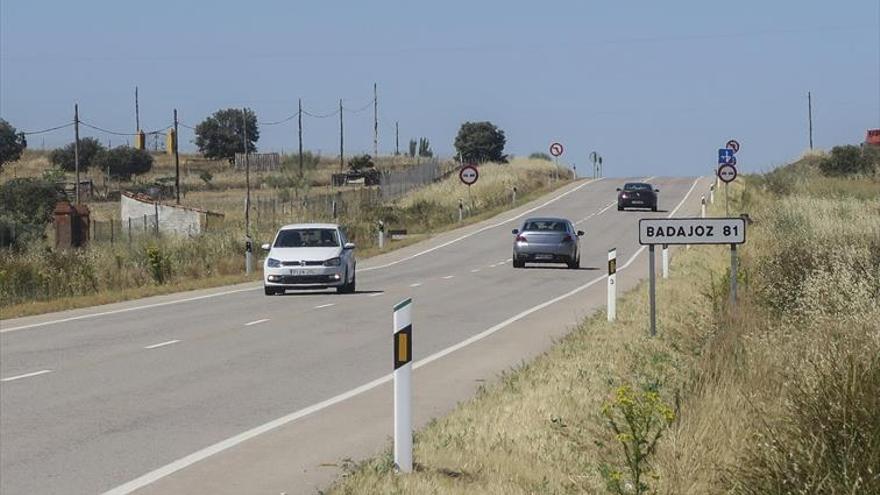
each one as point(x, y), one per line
point(637, 195)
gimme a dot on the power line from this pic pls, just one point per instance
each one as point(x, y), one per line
point(361, 109)
point(321, 116)
point(43, 131)
point(115, 133)
point(286, 119)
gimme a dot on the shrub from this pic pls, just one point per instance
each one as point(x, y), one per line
point(222, 135)
point(481, 142)
point(89, 150)
point(123, 162)
point(538, 155)
point(26, 206)
point(425, 148)
point(847, 160)
point(360, 163)
point(12, 143)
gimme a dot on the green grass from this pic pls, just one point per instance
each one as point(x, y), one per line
point(780, 395)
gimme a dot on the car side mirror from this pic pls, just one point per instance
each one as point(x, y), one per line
point(265, 247)
point(515, 231)
point(656, 190)
point(349, 245)
point(618, 189)
point(580, 233)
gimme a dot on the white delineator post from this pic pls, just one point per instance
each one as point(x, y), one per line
point(403, 386)
point(712, 195)
point(665, 260)
point(612, 284)
point(703, 206)
point(381, 234)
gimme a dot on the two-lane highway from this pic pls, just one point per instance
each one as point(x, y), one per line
point(93, 399)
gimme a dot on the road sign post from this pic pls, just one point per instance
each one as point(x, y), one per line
point(403, 386)
point(678, 231)
point(556, 150)
point(727, 174)
point(612, 284)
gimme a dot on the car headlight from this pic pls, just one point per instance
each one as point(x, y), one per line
point(333, 262)
point(273, 263)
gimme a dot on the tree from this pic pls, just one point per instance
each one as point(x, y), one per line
point(847, 160)
point(361, 163)
point(412, 148)
point(26, 206)
point(64, 158)
point(425, 148)
point(12, 143)
point(481, 142)
point(540, 156)
point(222, 135)
point(123, 162)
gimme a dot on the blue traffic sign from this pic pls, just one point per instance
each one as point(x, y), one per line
point(725, 157)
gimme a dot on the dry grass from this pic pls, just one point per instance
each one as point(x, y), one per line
point(780, 396)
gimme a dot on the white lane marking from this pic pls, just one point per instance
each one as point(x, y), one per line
point(448, 277)
point(376, 294)
point(508, 260)
point(417, 284)
point(483, 229)
point(218, 447)
point(126, 310)
point(475, 270)
point(256, 322)
point(161, 344)
point(325, 305)
point(26, 375)
point(366, 269)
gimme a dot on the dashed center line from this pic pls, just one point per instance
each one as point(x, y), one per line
point(325, 305)
point(161, 344)
point(448, 277)
point(26, 375)
point(417, 284)
point(256, 322)
point(376, 294)
point(475, 270)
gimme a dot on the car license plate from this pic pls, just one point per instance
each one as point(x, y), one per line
point(543, 256)
point(637, 202)
point(298, 273)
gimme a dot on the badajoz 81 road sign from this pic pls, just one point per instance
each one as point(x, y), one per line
point(692, 231)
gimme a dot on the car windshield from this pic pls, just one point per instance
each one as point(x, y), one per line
point(544, 226)
point(294, 238)
point(634, 186)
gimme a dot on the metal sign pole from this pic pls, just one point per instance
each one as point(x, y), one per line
point(403, 386)
point(612, 284)
point(726, 200)
point(733, 281)
point(653, 289)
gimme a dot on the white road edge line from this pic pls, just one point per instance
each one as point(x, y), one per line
point(218, 447)
point(366, 269)
point(417, 284)
point(475, 270)
point(325, 305)
point(26, 375)
point(256, 322)
point(448, 277)
point(161, 344)
point(376, 294)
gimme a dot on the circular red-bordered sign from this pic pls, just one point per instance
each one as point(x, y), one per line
point(727, 173)
point(469, 174)
point(733, 144)
point(556, 149)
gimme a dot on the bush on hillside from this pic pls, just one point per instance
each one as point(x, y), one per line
point(361, 163)
point(222, 134)
point(848, 160)
point(89, 150)
point(26, 207)
point(481, 142)
point(123, 162)
point(540, 156)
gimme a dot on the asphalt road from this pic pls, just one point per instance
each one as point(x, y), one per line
point(92, 399)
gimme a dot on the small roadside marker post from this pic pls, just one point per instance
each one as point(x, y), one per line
point(712, 193)
point(612, 284)
point(460, 210)
point(703, 206)
point(513, 200)
point(665, 259)
point(403, 386)
point(381, 234)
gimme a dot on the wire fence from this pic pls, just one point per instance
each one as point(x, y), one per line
point(397, 183)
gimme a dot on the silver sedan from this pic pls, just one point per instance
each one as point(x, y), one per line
point(547, 240)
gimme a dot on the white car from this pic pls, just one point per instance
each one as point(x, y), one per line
point(309, 256)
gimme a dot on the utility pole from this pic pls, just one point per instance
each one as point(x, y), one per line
point(76, 147)
point(396, 139)
point(810, 115)
point(300, 114)
point(341, 141)
point(137, 112)
point(176, 159)
point(375, 121)
point(248, 249)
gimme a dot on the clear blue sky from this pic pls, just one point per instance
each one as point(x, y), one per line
point(655, 87)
